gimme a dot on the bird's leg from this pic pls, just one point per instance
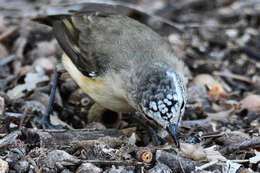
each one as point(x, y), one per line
point(156, 140)
point(45, 121)
point(153, 136)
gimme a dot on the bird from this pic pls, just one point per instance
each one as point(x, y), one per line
point(123, 65)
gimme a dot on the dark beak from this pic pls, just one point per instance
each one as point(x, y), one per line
point(173, 130)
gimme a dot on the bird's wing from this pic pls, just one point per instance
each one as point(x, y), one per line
point(72, 29)
point(97, 41)
point(68, 35)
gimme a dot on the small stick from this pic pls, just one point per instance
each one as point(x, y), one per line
point(255, 142)
point(9, 32)
point(202, 167)
point(239, 161)
point(14, 115)
point(117, 163)
point(7, 60)
point(233, 76)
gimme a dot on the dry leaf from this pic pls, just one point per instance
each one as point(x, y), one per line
point(213, 155)
point(16, 92)
point(216, 90)
point(4, 167)
point(31, 81)
point(192, 151)
point(47, 64)
point(196, 152)
point(251, 102)
point(220, 116)
point(132, 139)
point(232, 167)
point(256, 158)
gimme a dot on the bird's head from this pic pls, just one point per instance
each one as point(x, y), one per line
point(160, 95)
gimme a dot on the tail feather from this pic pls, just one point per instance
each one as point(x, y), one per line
point(54, 13)
point(58, 12)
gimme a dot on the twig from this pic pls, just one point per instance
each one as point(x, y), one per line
point(7, 60)
point(117, 163)
point(240, 161)
point(172, 161)
point(202, 167)
point(13, 115)
point(9, 139)
point(9, 32)
point(212, 135)
point(233, 76)
point(255, 142)
point(180, 163)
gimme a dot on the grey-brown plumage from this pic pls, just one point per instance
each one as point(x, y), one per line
point(123, 65)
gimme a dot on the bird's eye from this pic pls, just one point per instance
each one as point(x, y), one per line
point(182, 105)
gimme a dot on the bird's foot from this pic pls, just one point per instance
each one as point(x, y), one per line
point(152, 135)
point(155, 138)
point(45, 120)
point(45, 123)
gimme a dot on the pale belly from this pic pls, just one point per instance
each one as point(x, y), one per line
point(98, 89)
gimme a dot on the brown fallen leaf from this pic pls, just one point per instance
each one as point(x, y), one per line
point(216, 90)
point(251, 103)
point(197, 152)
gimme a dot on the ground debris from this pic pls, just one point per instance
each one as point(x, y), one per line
point(217, 40)
point(4, 167)
point(88, 167)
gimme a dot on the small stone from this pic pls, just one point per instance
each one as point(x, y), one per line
point(159, 167)
point(34, 107)
point(88, 167)
point(65, 171)
point(22, 166)
point(232, 33)
point(121, 169)
point(132, 139)
point(59, 156)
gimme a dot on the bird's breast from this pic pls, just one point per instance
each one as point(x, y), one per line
point(102, 90)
